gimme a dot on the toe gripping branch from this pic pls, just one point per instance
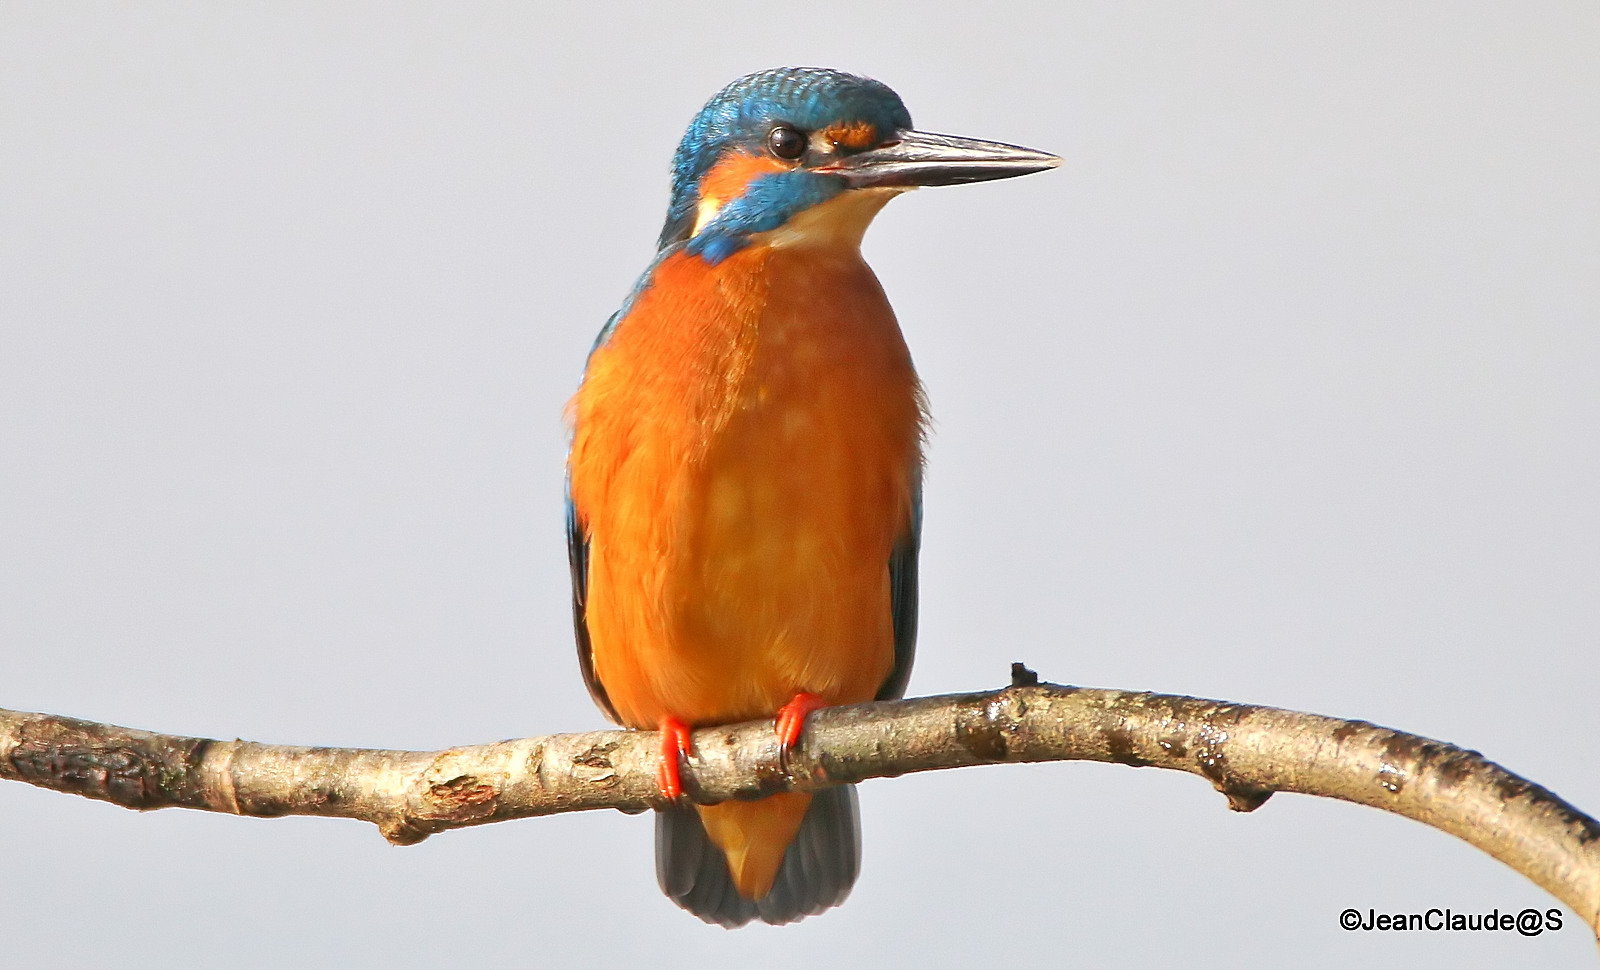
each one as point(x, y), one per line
point(791, 721)
point(675, 745)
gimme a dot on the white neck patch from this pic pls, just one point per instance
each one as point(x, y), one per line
point(839, 222)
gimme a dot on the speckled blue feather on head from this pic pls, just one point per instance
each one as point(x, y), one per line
point(742, 113)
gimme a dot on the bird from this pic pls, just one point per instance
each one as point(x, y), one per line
point(744, 478)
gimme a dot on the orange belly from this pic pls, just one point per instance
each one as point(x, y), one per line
point(742, 463)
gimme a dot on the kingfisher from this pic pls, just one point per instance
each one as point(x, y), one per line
point(744, 485)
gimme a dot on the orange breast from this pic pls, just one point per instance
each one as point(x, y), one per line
point(742, 464)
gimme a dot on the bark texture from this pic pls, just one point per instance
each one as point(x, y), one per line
point(1246, 752)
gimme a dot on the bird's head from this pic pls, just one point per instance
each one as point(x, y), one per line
point(810, 155)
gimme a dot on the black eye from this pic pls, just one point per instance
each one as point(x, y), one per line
point(786, 143)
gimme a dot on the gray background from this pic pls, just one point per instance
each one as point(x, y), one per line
point(1283, 389)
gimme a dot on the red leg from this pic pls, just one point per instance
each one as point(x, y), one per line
point(791, 720)
point(674, 745)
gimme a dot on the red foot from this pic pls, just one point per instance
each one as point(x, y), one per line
point(674, 744)
point(791, 720)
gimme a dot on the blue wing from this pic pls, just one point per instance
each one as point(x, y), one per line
point(578, 561)
point(903, 599)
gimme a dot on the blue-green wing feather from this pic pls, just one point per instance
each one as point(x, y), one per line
point(903, 600)
point(578, 562)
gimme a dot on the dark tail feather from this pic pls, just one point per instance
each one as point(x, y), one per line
point(818, 868)
point(692, 871)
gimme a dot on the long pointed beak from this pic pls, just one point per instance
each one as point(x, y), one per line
point(924, 158)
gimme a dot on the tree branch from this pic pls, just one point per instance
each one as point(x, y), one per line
point(1246, 752)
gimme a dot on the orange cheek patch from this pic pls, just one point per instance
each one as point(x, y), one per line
point(856, 134)
point(732, 173)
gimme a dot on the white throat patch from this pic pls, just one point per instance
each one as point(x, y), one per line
point(840, 221)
